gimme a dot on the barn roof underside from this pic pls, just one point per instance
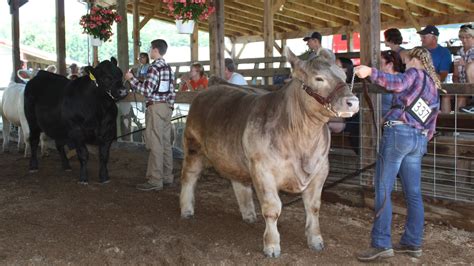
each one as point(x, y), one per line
point(297, 18)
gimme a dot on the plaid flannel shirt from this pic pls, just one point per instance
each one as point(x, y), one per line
point(408, 86)
point(158, 72)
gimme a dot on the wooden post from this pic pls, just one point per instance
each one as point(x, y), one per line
point(369, 55)
point(136, 31)
point(268, 38)
point(16, 37)
point(194, 42)
point(350, 41)
point(95, 56)
point(60, 38)
point(122, 36)
point(216, 39)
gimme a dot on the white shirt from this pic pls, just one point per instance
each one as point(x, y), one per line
point(237, 79)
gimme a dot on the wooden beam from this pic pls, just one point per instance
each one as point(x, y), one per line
point(149, 16)
point(122, 36)
point(136, 31)
point(194, 40)
point(461, 5)
point(240, 51)
point(216, 39)
point(432, 6)
point(268, 38)
point(16, 37)
point(328, 12)
point(60, 38)
point(369, 55)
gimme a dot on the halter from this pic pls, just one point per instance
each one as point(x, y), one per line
point(108, 92)
point(325, 102)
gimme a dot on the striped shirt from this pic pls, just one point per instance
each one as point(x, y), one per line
point(408, 86)
point(158, 85)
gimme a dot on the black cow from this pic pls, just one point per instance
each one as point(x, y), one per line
point(81, 111)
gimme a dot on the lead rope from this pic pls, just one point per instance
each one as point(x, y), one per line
point(352, 82)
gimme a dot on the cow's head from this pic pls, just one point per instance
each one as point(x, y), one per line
point(324, 81)
point(110, 78)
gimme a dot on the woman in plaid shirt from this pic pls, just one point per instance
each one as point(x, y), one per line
point(409, 125)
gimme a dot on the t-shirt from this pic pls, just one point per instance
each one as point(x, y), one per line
point(237, 79)
point(200, 82)
point(441, 58)
point(468, 57)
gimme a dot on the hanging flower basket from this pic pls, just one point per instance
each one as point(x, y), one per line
point(98, 22)
point(95, 41)
point(189, 10)
point(185, 27)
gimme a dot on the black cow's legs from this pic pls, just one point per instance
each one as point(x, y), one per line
point(104, 151)
point(62, 154)
point(83, 156)
point(34, 141)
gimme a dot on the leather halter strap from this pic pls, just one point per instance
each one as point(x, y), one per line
point(326, 102)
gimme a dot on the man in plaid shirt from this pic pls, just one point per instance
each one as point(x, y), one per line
point(158, 89)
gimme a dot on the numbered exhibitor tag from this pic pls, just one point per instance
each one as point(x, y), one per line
point(420, 110)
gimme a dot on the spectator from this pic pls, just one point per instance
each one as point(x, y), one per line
point(73, 71)
point(441, 59)
point(144, 64)
point(158, 89)
point(393, 40)
point(195, 80)
point(51, 68)
point(466, 57)
point(313, 42)
point(390, 62)
point(405, 138)
point(230, 75)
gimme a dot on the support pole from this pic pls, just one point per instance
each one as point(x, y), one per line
point(268, 38)
point(216, 39)
point(60, 38)
point(194, 42)
point(16, 37)
point(122, 36)
point(369, 55)
point(136, 31)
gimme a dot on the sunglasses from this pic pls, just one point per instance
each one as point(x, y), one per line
point(466, 26)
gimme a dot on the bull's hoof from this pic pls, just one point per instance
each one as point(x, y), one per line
point(316, 244)
point(84, 183)
point(272, 252)
point(250, 219)
point(106, 181)
point(187, 215)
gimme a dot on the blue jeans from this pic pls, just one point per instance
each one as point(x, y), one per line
point(401, 151)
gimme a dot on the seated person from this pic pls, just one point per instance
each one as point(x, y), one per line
point(230, 75)
point(390, 62)
point(196, 79)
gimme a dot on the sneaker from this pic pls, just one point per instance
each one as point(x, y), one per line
point(409, 250)
point(375, 253)
point(149, 186)
point(467, 109)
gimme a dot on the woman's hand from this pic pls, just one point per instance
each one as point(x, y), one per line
point(363, 71)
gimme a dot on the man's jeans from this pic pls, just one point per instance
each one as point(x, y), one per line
point(401, 151)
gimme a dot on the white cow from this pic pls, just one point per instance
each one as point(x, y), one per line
point(13, 113)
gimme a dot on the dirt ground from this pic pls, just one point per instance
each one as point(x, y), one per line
point(46, 218)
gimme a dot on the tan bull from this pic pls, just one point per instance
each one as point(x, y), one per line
point(273, 141)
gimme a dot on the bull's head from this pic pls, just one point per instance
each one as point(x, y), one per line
point(109, 77)
point(324, 81)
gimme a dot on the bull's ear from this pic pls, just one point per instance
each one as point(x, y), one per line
point(326, 55)
point(294, 61)
point(114, 61)
point(88, 70)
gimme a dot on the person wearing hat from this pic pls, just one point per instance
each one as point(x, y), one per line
point(441, 59)
point(313, 42)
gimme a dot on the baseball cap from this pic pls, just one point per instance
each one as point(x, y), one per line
point(314, 35)
point(430, 29)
